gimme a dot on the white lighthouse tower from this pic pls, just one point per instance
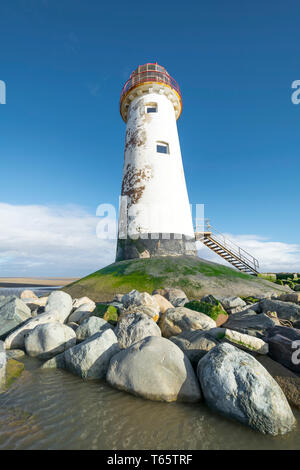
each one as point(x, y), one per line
point(155, 216)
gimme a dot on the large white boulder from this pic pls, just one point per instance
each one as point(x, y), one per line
point(134, 327)
point(60, 302)
point(15, 340)
point(176, 320)
point(239, 387)
point(13, 312)
point(48, 340)
point(90, 359)
point(156, 369)
point(91, 326)
point(82, 312)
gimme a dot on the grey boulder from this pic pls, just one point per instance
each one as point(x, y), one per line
point(61, 303)
point(176, 320)
point(91, 326)
point(235, 384)
point(285, 351)
point(285, 310)
point(232, 304)
point(13, 312)
point(89, 359)
point(195, 344)
point(135, 327)
point(48, 340)
point(155, 369)
point(250, 323)
point(15, 340)
point(176, 296)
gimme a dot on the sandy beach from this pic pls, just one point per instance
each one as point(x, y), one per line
point(35, 282)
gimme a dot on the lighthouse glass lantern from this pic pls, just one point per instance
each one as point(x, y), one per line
point(155, 217)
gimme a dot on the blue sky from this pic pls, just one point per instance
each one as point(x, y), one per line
point(61, 141)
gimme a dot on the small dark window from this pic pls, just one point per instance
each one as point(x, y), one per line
point(151, 108)
point(162, 147)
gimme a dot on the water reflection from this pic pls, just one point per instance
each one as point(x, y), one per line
point(53, 409)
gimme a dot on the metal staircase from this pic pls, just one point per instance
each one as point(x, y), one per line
point(225, 248)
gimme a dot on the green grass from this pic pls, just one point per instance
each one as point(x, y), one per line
point(188, 273)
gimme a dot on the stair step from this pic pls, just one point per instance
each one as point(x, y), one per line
point(226, 255)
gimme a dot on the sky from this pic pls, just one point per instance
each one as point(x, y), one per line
point(64, 63)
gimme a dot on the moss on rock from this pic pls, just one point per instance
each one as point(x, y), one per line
point(13, 370)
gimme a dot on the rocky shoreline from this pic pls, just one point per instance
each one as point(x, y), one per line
point(241, 356)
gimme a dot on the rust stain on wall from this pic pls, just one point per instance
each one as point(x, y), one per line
point(135, 138)
point(134, 180)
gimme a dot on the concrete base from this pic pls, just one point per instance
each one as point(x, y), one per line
point(159, 246)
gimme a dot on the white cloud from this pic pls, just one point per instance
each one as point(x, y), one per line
point(38, 240)
point(272, 256)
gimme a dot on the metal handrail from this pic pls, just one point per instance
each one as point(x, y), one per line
point(149, 76)
point(242, 254)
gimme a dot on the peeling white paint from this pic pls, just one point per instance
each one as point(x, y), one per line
point(154, 182)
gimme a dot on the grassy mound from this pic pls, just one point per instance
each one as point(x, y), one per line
point(194, 275)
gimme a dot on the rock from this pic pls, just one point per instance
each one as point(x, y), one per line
point(239, 387)
point(36, 303)
point(28, 294)
point(89, 359)
point(82, 312)
point(73, 325)
point(15, 340)
point(195, 344)
point(118, 305)
point(60, 302)
point(210, 299)
point(232, 304)
point(216, 312)
point(48, 340)
point(162, 302)
point(292, 297)
point(135, 327)
point(155, 369)
point(285, 310)
point(131, 298)
point(136, 299)
point(285, 351)
point(3, 361)
point(286, 379)
point(176, 320)
point(250, 323)
point(118, 298)
point(15, 354)
point(13, 312)
point(290, 333)
point(297, 288)
point(176, 296)
point(91, 326)
point(245, 342)
point(147, 310)
point(83, 300)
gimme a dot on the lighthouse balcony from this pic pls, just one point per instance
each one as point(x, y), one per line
point(147, 78)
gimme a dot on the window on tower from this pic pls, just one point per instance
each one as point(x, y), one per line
point(162, 147)
point(151, 108)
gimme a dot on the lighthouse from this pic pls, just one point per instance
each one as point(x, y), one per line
point(155, 217)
